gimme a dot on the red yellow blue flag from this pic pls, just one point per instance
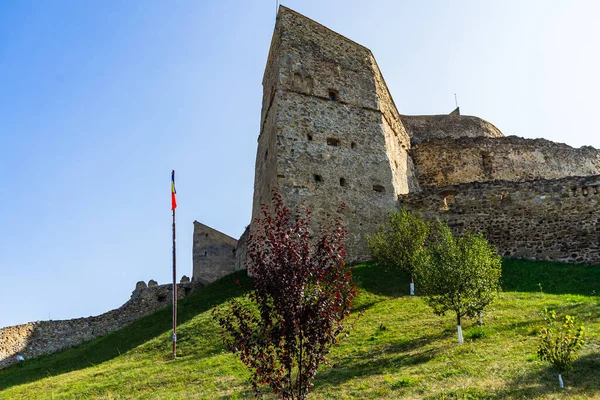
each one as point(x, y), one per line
point(173, 192)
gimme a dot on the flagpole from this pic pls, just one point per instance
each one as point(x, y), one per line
point(174, 337)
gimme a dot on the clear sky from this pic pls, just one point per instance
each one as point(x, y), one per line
point(99, 100)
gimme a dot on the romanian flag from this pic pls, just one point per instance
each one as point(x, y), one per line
point(173, 192)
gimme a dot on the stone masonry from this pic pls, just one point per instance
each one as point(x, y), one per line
point(330, 132)
point(214, 254)
point(545, 219)
point(45, 337)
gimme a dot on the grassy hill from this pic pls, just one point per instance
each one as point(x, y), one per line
point(398, 349)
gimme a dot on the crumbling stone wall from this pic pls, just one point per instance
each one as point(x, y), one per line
point(213, 253)
point(451, 161)
point(45, 337)
point(556, 219)
point(423, 128)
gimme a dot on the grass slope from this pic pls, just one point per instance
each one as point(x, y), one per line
point(398, 349)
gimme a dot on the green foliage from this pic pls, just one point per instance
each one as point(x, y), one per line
point(463, 275)
point(400, 243)
point(410, 359)
point(560, 342)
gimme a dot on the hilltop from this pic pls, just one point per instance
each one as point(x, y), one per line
point(398, 349)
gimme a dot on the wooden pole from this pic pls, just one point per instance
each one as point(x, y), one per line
point(174, 337)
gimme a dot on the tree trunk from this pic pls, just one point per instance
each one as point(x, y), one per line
point(460, 335)
point(412, 285)
point(560, 381)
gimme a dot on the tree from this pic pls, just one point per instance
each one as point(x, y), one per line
point(463, 275)
point(400, 243)
point(302, 293)
point(560, 343)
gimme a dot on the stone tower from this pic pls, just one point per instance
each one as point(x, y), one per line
point(330, 131)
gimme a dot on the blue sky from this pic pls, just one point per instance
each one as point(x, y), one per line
point(100, 100)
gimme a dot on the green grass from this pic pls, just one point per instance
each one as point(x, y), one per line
point(398, 348)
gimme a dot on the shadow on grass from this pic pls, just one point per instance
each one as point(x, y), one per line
point(549, 277)
point(391, 357)
point(123, 340)
point(583, 380)
point(372, 278)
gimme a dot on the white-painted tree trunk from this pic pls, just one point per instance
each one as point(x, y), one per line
point(460, 335)
point(480, 318)
point(560, 382)
point(412, 289)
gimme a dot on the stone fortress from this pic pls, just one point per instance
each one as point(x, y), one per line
point(330, 132)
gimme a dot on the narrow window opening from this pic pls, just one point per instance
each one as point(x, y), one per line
point(342, 181)
point(333, 142)
point(206, 253)
point(333, 95)
point(206, 235)
point(309, 137)
point(318, 178)
point(353, 145)
point(266, 153)
point(379, 188)
point(233, 251)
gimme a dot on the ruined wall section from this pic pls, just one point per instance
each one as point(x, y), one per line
point(214, 254)
point(331, 129)
point(452, 161)
point(45, 337)
point(423, 128)
point(555, 220)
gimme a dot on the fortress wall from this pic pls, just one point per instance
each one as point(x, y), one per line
point(557, 220)
point(446, 162)
point(213, 254)
point(424, 128)
point(318, 175)
point(327, 128)
point(45, 337)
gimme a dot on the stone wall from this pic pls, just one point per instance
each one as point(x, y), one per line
point(45, 337)
point(423, 128)
point(213, 254)
point(330, 131)
point(451, 161)
point(556, 219)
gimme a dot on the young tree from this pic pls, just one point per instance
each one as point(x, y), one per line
point(463, 275)
point(302, 293)
point(400, 243)
point(560, 342)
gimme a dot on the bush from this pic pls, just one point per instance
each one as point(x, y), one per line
point(400, 243)
point(560, 342)
point(302, 293)
point(463, 275)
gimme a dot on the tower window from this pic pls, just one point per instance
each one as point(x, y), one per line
point(318, 178)
point(353, 145)
point(379, 188)
point(333, 142)
point(333, 95)
point(342, 181)
point(309, 137)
